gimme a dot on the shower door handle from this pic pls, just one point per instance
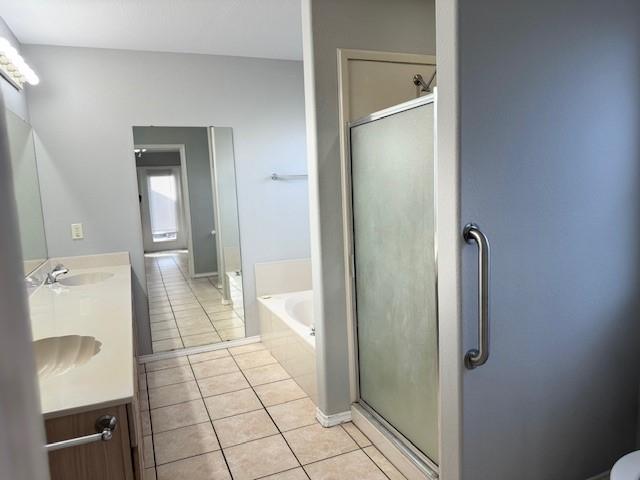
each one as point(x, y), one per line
point(476, 357)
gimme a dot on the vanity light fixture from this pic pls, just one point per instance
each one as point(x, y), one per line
point(13, 67)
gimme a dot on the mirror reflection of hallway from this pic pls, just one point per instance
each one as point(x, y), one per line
point(186, 312)
point(193, 271)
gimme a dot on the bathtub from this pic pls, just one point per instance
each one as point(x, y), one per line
point(286, 326)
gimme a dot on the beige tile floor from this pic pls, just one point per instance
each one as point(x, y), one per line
point(186, 312)
point(235, 414)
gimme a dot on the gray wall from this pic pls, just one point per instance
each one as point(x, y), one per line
point(550, 169)
point(83, 111)
point(196, 145)
point(399, 26)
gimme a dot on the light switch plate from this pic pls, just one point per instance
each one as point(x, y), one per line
point(76, 231)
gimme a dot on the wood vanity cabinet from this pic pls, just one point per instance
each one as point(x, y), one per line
point(120, 458)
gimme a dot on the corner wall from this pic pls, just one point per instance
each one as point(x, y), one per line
point(399, 26)
point(82, 113)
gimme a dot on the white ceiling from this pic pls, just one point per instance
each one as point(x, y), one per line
point(248, 28)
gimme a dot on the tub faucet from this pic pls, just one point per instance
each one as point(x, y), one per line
point(52, 276)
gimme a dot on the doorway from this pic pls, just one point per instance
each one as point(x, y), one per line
point(161, 209)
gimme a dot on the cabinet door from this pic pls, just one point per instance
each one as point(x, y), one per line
point(109, 460)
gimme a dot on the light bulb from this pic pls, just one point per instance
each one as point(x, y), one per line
point(20, 64)
point(4, 45)
point(11, 53)
point(31, 77)
point(14, 65)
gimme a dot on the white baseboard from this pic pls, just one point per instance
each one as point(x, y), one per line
point(332, 420)
point(205, 274)
point(152, 357)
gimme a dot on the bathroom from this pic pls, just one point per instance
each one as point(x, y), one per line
point(318, 239)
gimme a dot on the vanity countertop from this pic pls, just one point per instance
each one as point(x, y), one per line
point(102, 310)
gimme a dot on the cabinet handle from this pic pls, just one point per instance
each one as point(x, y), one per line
point(478, 357)
point(105, 427)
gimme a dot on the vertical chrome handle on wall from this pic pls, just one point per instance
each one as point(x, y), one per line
point(476, 357)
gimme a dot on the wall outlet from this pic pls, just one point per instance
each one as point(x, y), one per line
point(76, 231)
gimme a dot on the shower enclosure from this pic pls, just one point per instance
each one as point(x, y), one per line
point(394, 274)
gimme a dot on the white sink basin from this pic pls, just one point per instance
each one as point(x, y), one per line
point(58, 355)
point(84, 279)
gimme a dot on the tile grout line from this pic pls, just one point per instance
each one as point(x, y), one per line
point(178, 428)
point(364, 451)
point(271, 418)
point(203, 361)
point(263, 407)
point(201, 306)
point(236, 414)
point(173, 313)
point(376, 463)
point(224, 457)
point(212, 376)
point(184, 282)
point(284, 471)
point(218, 394)
point(199, 303)
point(153, 446)
point(232, 310)
point(281, 432)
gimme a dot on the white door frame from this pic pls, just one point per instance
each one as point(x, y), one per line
point(222, 271)
point(449, 241)
point(180, 148)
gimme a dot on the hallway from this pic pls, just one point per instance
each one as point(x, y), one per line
point(186, 312)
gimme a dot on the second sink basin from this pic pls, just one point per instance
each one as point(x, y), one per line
point(58, 355)
point(84, 279)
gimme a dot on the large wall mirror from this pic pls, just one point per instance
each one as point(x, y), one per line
point(27, 192)
point(191, 235)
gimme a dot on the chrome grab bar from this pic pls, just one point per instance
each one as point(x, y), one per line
point(105, 427)
point(476, 357)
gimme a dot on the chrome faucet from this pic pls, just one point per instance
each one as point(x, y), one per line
point(52, 276)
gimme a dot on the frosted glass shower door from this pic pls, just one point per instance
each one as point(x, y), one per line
point(393, 209)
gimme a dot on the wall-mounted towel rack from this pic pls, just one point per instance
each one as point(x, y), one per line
point(277, 176)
